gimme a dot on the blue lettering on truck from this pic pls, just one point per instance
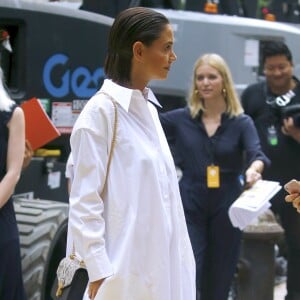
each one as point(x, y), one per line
point(69, 81)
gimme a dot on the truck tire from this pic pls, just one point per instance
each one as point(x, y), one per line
point(43, 230)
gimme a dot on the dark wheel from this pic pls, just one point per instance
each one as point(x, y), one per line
point(43, 229)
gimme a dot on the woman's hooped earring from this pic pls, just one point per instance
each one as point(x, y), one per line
point(196, 92)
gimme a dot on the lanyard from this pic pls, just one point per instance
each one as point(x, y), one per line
point(212, 171)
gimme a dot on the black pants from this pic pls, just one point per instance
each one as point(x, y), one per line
point(11, 284)
point(215, 242)
point(290, 221)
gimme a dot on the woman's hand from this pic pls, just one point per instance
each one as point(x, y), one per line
point(94, 287)
point(251, 177)
point(253, 173)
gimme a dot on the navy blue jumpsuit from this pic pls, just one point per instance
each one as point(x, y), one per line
point(233, 147)
point(11, 284)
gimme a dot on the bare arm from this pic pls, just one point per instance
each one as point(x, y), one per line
point(15, 155)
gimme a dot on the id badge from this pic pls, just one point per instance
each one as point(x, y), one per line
point(213, 177)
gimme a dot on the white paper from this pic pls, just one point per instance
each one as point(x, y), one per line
point(252, 203)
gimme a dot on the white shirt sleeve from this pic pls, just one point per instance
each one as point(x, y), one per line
point(69, 173)
point(86, 222)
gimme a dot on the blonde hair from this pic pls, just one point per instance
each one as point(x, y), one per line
point(5, 101)
point(195, 103)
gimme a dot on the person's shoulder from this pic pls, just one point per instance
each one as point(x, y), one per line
point(254, 87)
point(96, 114)
point(6, 115)
point(175, 115)
point(252, 96)
point(183, 111)
point(244, 119)
point(177, 112)
point(99, 102)
point(18, 111)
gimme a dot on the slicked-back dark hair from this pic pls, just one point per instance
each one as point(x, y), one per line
point(273, 48)
point(131, 25)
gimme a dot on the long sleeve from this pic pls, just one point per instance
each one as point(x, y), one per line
point(251, 142)
point(89, 150)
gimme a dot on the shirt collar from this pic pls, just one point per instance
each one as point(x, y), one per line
point(123, 95)
point(151, 97)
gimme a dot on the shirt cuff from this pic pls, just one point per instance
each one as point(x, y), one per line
point(99, 267)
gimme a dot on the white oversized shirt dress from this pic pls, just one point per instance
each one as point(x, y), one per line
point(133, 233)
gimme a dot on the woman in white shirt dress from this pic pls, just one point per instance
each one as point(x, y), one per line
point(131, 233)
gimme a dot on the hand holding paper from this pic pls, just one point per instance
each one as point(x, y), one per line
point(252, 203)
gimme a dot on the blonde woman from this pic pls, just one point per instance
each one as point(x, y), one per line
point(12, 147)
point(213, 143)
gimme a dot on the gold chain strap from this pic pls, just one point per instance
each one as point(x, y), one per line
point(114, 137)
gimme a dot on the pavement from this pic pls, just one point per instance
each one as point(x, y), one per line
point(280, 291)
